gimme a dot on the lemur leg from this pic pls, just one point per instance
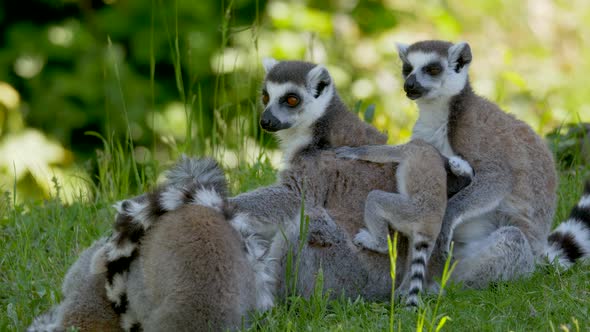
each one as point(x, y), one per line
point(504, 255)
point(483, 195)
point(374, 153)
point(381, 208)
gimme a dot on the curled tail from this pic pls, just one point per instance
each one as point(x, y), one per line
point(570, 241)
point(190, 181)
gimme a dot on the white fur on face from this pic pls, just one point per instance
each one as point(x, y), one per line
point(299, 134)
point(449, 83)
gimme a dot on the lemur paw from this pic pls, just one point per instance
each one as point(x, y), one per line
point(347, 152)
point(460, 166)
point(365, 239)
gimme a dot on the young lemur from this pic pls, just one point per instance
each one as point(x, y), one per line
point(499, 222)
point(418, 208)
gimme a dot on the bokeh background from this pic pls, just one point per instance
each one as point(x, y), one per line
point(83, 82)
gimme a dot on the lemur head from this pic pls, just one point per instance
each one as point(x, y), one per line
point(294, 95)
point(434, 69)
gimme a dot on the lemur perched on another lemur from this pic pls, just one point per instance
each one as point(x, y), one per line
point(499, 222)
point(417, 210)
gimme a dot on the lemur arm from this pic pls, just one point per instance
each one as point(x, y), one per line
point(487, 189)
point(373, 153)
point(268, 209)
point(265, 210)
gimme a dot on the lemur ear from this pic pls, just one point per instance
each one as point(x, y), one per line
point(402, 51)
point(268, 63)
point(459, 56)
point(317, 80)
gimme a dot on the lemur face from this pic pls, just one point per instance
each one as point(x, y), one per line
point(434, 69)
point(295, 94)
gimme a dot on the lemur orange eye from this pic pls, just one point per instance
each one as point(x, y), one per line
point(265, 97)
point(292, 101)
point(433, 69)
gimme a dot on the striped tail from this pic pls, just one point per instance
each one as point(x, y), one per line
point(420, 253)
point(190, 181)
point(570, 241)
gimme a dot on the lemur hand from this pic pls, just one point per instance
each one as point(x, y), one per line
point(460, 167)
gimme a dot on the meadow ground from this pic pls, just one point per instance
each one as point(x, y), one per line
point(39, 241)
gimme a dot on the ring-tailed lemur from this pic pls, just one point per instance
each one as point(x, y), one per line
point(416, 211)
point(197, 237)
point(500, 222)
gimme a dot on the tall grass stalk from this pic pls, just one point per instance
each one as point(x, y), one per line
point(447, 272)
point(128, 138)
point(392, 249)
point(292, 266)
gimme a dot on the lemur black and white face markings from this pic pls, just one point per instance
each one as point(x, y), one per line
point(295, 95)
point(435, 71)
point(500, 222)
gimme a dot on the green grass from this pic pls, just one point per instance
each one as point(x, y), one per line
point(39, 241)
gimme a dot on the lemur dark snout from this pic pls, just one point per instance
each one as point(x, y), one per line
point(270, 123)
point(413, 88)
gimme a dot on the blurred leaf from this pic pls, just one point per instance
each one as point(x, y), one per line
point(357, 106)
point(369, 113)
point(373, 17)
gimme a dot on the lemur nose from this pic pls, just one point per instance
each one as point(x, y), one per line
point(269, 122)
point(410, 83)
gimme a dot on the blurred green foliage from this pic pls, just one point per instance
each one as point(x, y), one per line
point(160, 77)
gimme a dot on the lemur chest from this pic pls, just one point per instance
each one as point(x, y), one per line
point(436, 134)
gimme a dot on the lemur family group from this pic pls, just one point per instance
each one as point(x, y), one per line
point(187, 257)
